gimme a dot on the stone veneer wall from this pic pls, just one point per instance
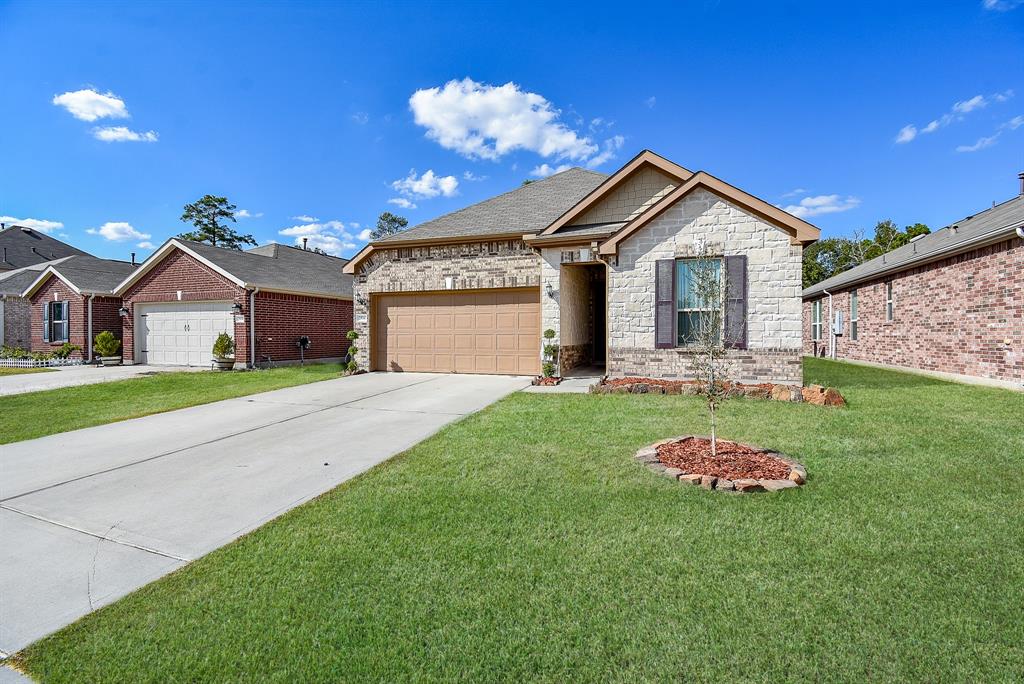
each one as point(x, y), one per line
point(471, 266)
point(773, 305)
point(641, 190)
point(962, 315)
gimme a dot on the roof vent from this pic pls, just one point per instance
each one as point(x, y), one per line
point(26, 230)
point(916, 238)
point(1020, 177)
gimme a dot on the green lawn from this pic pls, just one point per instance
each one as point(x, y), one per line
point(22, 371)
point(35, 414)
point(525, 544)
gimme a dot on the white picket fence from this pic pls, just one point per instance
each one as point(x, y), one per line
point(39, 363)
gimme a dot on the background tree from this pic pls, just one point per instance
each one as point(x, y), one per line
point(207, 215)
point(832, 256)
point(704, 289)
point(388, 224)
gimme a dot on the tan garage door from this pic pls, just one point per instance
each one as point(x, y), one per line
point(495, 331)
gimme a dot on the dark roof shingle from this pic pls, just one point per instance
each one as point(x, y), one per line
point(20, 247)
point(528, 209)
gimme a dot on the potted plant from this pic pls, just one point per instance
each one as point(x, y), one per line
point(352, 366)
point(224, 352)
point(108, 348)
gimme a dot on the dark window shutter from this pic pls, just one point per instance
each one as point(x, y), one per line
point(665, 303)
point(65, 311)
point(736, 301)
point(46, 321)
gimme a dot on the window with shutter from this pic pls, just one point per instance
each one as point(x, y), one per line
point(46, 321)
point(664, 304)
point(696, 312)
point(736, 301)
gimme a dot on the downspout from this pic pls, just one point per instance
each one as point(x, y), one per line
point(831, 328)
point(89, 331)
point(252, 326)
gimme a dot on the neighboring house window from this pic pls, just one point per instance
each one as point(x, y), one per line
point(55, 322)
point(816, 320)
point(691, 311)
point(889, 309)
point(853, 315)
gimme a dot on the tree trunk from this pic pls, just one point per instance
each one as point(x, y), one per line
point(714, 432)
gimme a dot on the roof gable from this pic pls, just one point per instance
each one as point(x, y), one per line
point(84, 274)
point(626, 193)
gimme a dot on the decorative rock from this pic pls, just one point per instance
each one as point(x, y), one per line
point(708, 481)
point(834, 398)
point(781, 393)
point(746, 485)
point(691, 478)
point(776, 485)
point(797, 477)
point(647, 455)
point(672, 472)
point(725, 486)
point(640, 388)
point(621, 389)
point(658, 467)
point(673, 389)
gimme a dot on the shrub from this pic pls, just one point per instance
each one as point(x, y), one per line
point(106, 344)
point(352, 366)
point(352, 335)
point(549, 334)
point(548, 369)
point(7, 352)
point(223, 346)
point(65, 350)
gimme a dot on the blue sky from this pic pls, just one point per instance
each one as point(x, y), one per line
point(116, 115)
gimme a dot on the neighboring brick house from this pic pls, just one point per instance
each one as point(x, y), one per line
point(595, 258)
point(72, 301)
point(24, 253)
point(950, 302)
point(265, 298)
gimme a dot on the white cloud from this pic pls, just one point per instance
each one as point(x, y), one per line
point(1014, 123)
point(651, 101)
point(957, 113)
point(118, 231)
point(402, 202)
point(364, 235)
point(426, 186)
point(545, 170)
point(793, 193)
point(245, 213)
point(482, 121)
point(1001, 5)
point(822, 204)
point(146, 244)
point(123, 134)
point(42, 225)
point(90, 105)
point(330, 236)
point(472, 177)
point(611, 147)
point(981, 144)
point(360, 118)
point(305, 218)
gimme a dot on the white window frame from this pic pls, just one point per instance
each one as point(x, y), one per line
point(854, 313)
point(890, 303)
point(816, 320)
point(62, 320)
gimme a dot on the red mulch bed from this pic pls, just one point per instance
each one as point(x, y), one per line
point(655, 382)
point(734, 461)
point(546, 381)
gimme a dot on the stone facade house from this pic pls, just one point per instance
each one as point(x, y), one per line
point(72, 301)
point(949, 302)
point(601, 260)
point(266, 298)
point(24, 253)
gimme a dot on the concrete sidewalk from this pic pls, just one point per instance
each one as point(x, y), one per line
point(90, 515)
point(72, 376)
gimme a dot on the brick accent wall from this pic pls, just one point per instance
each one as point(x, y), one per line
point(17, 322)
point(475, 265)
point(104, 316)
point(282, 318)
point(631, 198)
point(180, 271)
point(962, 315)
point(773, 290)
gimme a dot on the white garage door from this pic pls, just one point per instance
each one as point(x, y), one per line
point(181, 333)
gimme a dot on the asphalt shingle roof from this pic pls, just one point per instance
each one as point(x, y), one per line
point(280, 267)
point(1001, 219)
point(528, 209)
point(92, 275)
point(20, 247)
point(13, 283)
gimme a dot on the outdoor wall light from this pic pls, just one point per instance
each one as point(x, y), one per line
point(550, 290)
point(123, 312)
point(237, 308)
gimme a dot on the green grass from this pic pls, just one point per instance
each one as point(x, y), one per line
point(525, 544)
point(22, 371)
point(36, 414)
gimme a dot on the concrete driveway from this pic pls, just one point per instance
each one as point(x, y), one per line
point(90, 515)
point(72, 376)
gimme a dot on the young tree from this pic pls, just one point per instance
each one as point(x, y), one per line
point(207, 214)
point(388, 224)
point(704, 287)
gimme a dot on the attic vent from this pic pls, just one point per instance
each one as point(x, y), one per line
point(916, 238)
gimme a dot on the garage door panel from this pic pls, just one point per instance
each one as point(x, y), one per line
point(181, 333)
point(494, 331)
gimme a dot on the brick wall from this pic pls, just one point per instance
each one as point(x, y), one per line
point(17, 322)
point(180, 271)
point(282, 318)
point(476, 265)
point(55, 289)
point(962, 315)
point(773, 288)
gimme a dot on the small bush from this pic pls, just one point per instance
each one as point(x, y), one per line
point(7, 352)
point(548, 369)
point(352, 366)
point(65, 350)
point(106, 344)
point(549, 334)
point(352, 335)
point(223, 346)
